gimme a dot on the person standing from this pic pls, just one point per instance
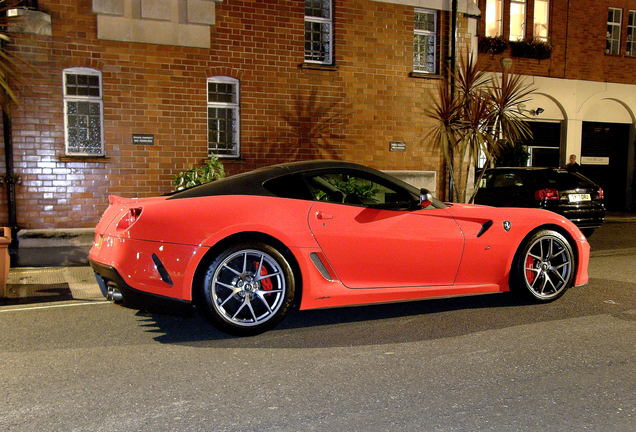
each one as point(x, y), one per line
point(572, 166)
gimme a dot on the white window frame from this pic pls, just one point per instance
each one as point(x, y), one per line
point(522, 4)
point(631, 33)
point(76, 98)
point(494, 20)
point(234, 106)
point(618, 24)
point(536, 32)
point(329, 21)
point(428, 33)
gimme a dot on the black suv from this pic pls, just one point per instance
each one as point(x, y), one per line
point(567, 193)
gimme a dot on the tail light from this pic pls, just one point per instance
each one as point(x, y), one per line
point(546, 194)
point(600, 194)
point(129, 218)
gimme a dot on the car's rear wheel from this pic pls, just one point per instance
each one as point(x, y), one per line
point(248, 288)
point(544, 267)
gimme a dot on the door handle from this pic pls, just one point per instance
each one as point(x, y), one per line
point(323, 216)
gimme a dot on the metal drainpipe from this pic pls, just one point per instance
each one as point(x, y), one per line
point(10, 180)
point(453, 55)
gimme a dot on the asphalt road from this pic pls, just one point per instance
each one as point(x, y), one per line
point(485, 363)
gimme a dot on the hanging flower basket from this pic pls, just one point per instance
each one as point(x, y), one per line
point(531, 48)
point(492, 45)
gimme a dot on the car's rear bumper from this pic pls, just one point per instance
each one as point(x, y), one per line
point(589, 216)
point(108, 278)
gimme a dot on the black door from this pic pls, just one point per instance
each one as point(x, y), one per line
point(604, 160)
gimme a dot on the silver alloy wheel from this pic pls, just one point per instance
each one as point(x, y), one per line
point(548, 266)
point(248, 288)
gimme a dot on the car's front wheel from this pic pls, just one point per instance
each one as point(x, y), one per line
point(544, 266)
point(248, 289)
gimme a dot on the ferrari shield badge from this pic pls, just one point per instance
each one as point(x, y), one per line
point(507, 225)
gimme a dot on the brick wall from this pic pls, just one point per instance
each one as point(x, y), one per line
point(287, 113)
point(578, 36)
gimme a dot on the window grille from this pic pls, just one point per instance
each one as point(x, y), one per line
point(223, 117)
point(631, 33)
point(318, 31)
point(613, 38)
point(83, 112)
point(425, 41)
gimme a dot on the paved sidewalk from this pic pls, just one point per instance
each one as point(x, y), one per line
point(50, 284)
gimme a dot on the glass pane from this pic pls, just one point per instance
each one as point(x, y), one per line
point(517, 21)
point(317, 41)
point(82, 85)
point(221, 92)
point(424, 21)
point(494, 18)
point(354, 190)
point(221, 131)
point(318, 8)
point(541, 10)
point(424, 53)
point(84, 127)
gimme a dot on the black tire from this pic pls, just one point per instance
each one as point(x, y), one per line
point(544, 267)
point(247, 289)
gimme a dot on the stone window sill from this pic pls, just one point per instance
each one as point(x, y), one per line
point(67, 158)
point(425, 75)
point(318, 66)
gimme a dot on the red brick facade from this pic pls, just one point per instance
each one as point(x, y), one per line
point(577, 31)
point(287, 112)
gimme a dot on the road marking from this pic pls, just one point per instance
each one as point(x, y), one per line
point(55, 306)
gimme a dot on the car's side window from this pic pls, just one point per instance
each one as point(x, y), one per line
point(289, 186)
point(504, 180)
point(354, 189)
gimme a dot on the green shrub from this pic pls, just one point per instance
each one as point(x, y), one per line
point(210, 171)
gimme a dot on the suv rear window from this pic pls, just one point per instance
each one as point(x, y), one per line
point(567, 180)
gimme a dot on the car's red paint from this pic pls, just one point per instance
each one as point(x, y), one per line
point(376, 255)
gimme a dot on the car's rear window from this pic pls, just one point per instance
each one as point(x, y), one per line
point(567, 180)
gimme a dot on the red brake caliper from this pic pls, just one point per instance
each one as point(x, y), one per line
point(266, 284)
point(530, 275)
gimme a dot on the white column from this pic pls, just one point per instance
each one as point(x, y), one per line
point(573, 137)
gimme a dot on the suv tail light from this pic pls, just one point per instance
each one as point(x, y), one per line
point(600, 194)
point(546, 194)
point(129, 218)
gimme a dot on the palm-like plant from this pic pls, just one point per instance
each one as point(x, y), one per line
point(480, 114)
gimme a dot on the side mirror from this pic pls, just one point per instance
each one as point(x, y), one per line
point(426, 198)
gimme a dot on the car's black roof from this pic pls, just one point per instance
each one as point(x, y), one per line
point(251, 183)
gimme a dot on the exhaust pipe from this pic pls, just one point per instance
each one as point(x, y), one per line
point(113, 294)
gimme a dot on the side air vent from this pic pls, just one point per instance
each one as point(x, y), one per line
point(322, 268)
point(485, 227)
point(162, 270)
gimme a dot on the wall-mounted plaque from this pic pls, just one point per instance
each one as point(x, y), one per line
point(143, 139)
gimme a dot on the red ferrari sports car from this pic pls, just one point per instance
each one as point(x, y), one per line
point(320, 234)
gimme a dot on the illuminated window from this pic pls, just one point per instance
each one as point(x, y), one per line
point(425, 41)
point(318, 31)
point(83, 118)
point(494, 18)
point(541, 14)
point(517, 19)
point(613, 38)
point(631, 33)
point(223, 117)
